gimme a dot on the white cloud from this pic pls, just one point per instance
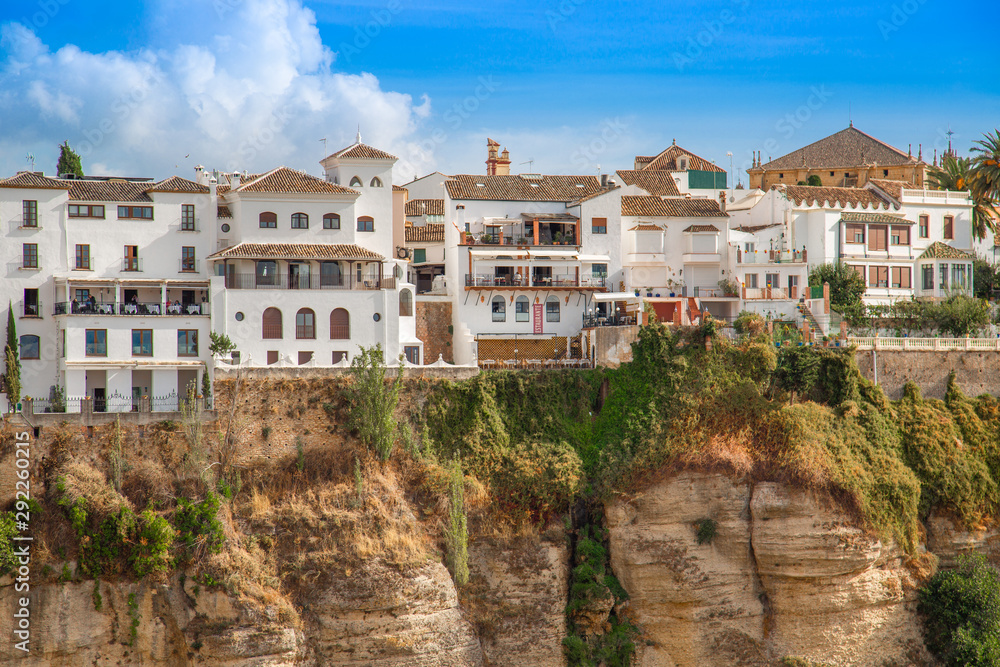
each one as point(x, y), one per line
point(256, 90)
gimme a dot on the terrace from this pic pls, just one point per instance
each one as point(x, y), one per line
point(531, 229)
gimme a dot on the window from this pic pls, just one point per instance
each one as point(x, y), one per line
point(268, 220)
point(97, 342)
point(29, 208)
point(137, 212)
point(900, 235)
point(85, 211)
point(187, 342)
point(405, 303)
point(267, 272)
point(831, 173)
point(31, 307)
point(772, 280)
point(419, 255)
point(272, 357)
point(412, 354)
point(300, 221)
point(943, 277)
point(305, 324)
point(958, 276)
point(340, 324)
point(366, 224)
point(499, 307)
point(878, 276)
point(901, 277)
point(599, 270)
point(188, 262)
point(598, 225)
point(928, 276)
point(522, 309)
point(750, 246)
point(187, 217)
point(131, 259)
point(331, 221)
point(781, 175)
point(338, 356)
point(855, 233)
point(949, 226)
point(305, 357)
point(355, 182)
point(29, 255)
point(376, 182)
point(552, 309)
point(142, 342)
point(330, 275)
point(29, 347)
point(750, 280)
point(271, 329)
point(83, 256)
point(924, 225)
point(877, 237)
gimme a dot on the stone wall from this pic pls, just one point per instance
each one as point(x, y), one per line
point(434, 328)
point(612, 346)
point(318, 373)
point(976, 372)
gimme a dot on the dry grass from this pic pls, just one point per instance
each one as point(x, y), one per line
point(81, 481)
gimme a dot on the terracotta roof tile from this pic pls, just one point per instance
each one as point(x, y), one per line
point(701, 228)
point(29, 179)
point(658, 183)
point(110, 190)
point(295, 251)
point(284, 179)
point(645, 227)
point(832, 197)
point(223, 212)
point(398, 188)
point(874, 217)
point(892, 188)
point(432, 233)
point(363, 152)
point(848, 148)
point(177, 184)
point(598, 193)
point(674, 208)
point(521, 187)
point(938, 250)
point(753, 229)
point(668, 160)
point(425, 207)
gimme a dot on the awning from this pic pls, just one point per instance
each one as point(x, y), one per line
point(593, 258)
point(493, 222)
point(496, 252)
point(553, 253)
point(616, 296)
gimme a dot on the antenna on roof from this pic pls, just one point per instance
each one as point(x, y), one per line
point(530, 163)
point(30, 159)
point(324, 145)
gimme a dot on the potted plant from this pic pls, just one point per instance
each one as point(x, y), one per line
point(649, 291)
point(485, 238)
point(557, 238)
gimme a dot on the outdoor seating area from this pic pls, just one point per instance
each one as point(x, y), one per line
point(92, 307)
point(533, 364)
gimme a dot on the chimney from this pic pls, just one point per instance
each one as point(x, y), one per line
point(234, 181)
point(491, 156)
point(722, 200)
point(503, 164)
point(920, 152)
point(200, 175)
point(604, 180)
point(909, 150)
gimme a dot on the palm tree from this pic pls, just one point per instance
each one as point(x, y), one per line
point(986, 166)
point(958, 174)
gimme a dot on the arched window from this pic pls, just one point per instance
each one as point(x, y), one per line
point(552, 309)
point(331, 221)
point(305, 323)
point(521, 309)
point(340, 324)
point(272, 324)
point(355, 182)
point(268, 219)
point(366, 223)
point(405, 303)
point(376, 182)
point(29, 346)
point(499, 309)
point(300, 221)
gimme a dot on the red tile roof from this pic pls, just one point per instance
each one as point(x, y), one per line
point(425, 207)
point(110, 190)
point(432, 233)
point(673, 208)
point(362, 152)
point(848, 148)
point(522, 187)
point(177, 184)
point(398, 188)
point(658, 183)
point(892, 188)
point(223, 211)
point(29, 179)
point(832, 197)
point(701, 228)
point(668, 160)
point(284, 179)
point(645, 227)
point(295, 251)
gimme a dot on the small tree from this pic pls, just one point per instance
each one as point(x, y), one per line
point(961, 613)
point(456, 532)
point(846, 288)
point(797, 370)
point(814, 180)
point(206, 386)
point(220, 345)
point(69, 161)
point(12, 368)
point(374, 400)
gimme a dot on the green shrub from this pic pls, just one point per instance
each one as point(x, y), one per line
point(8, 529)
point(961, 613)
point(705, 530)
point(152, 549)
point(198, 526)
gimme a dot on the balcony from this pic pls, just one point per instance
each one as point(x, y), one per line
point(132, 264)
point(140, 309)
point(701, 258)
point(771, 257)
point(30, 308)
point(592, 321)
point(767, 294)
point(189, 227)
point(189, 265)
point(313, 282)
point(473, 280)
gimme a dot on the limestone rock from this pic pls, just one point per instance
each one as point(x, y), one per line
point(947, 540)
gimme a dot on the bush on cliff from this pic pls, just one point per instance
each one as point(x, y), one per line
point(961, 613)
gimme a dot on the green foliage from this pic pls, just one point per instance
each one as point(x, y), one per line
point(206, 386)
point(57, 398)
point(846, 287)
point(814, 180)
point(958, 315)
point(961, 613)
point(265, 433)
point(220, 345)
point(540, 477)
point(151, 551)
point(95, 595)
point(749, 324)
point(197, 526)
point(373, 400)
point(456, 531)
point(705, 530)
point(797, 370)
point(69, 161)
point(986, 278)
point(133, 614)
point(8, 529)
point(12, 362)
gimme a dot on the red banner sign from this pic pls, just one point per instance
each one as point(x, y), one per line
point(536, 316)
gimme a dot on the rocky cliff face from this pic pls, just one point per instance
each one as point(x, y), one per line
point(784, 575)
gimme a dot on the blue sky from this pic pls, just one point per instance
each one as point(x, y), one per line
point(572, 85)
